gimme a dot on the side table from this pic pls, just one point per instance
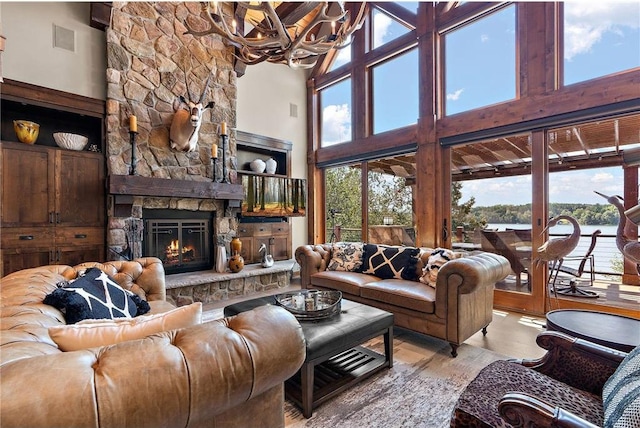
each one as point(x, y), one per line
point(614, 331)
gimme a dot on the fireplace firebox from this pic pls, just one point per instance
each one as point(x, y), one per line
point(181, 239)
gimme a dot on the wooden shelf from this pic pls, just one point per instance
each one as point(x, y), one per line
point(136, 185)
point(261, 174)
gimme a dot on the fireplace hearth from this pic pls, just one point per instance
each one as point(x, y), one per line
point(182, 239)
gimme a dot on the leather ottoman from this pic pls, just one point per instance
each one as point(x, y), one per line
point(334, 359)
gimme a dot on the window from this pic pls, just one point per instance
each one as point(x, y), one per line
point(336, 113)
point(343, 201)
point(390, 200)
point(480, 62)
point(385, 28)
point(343, 57)
point(395, 92)
point(600, 38)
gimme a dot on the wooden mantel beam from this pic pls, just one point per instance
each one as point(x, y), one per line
point(135, 185)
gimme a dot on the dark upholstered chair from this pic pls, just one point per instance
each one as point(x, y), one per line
point(564, 388)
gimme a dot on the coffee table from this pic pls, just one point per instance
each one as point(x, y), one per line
point(334, 360)
point(614, 331)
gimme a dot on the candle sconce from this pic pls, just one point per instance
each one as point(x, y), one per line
point(224, 138)
point(134, 161)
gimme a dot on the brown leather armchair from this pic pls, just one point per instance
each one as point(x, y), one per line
point(224, 373)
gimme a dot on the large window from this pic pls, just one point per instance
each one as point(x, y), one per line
point(600, 38)
point(480, 62)
point(395, 92)
point(343, 201)
point(336, 113)
point(390, 205)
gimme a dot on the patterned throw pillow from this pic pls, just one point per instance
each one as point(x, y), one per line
point(95, 296)
point(621, 394)
point(438, 257)
point(346, 257)
point(387, 261)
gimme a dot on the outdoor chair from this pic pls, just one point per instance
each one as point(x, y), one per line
point(577, 273)
point(505, 243)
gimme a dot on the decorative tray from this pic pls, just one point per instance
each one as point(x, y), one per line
point(311, 305)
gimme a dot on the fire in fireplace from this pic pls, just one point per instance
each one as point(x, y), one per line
point(181, 239)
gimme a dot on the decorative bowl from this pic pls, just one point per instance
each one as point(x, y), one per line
point(311, 305)
point(26, 131)
point(70, 141)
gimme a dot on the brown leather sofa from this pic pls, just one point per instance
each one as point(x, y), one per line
point(224, 373)
point(459, 306)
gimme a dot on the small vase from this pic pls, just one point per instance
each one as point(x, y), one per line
point(236, 263)
point(258, 165)
point(271, 166)
point(236, 246)
point(221, 259)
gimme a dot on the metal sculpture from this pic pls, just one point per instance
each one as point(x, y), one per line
point(554, 250)
point(185, 125)
point(628, 247)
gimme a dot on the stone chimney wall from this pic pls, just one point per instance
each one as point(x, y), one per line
point(150, 63)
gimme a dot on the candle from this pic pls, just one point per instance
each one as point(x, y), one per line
point(214, 151)
point(133, 123)
point(223, 128)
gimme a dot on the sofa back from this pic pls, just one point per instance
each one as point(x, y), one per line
point(25, 320)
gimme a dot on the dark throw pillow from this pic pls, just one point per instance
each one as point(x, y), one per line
point(95, 295)
point(387, 261)
point(346, 256)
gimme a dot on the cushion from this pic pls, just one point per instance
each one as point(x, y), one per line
point(438, 257)
point(388, 261)
point(346, 256)
point(621, 394)
point(92, 333)
point(95, 295)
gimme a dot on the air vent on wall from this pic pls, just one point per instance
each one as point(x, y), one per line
point(293, 110)
point(64, 38)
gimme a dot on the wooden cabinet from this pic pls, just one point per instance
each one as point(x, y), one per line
point(53, 199)
point(276, 236)
point(53, 206)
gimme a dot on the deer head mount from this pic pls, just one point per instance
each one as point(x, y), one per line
point(185, 125)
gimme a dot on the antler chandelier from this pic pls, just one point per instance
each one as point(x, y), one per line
point(294, 38)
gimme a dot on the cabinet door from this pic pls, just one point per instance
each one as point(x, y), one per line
point(80, 187)
point(15, 259)
point(280, 247)
point(247, 249)
point(27, 185)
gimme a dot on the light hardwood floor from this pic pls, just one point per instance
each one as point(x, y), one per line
point(511, 334)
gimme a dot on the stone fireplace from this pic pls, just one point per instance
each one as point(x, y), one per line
point(150, 64)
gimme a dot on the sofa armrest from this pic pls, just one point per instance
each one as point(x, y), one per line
point(176, 378)
point(524, 410)
point(312, 259)
point(468, 275)
point(582, 364)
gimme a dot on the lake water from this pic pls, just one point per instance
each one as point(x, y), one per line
point(605, 252)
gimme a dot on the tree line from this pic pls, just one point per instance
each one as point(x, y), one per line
point(587, 214)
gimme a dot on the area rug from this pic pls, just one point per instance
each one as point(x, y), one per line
point(419, 391)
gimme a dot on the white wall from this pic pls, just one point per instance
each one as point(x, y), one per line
point(264, 95)
point(30, 56)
